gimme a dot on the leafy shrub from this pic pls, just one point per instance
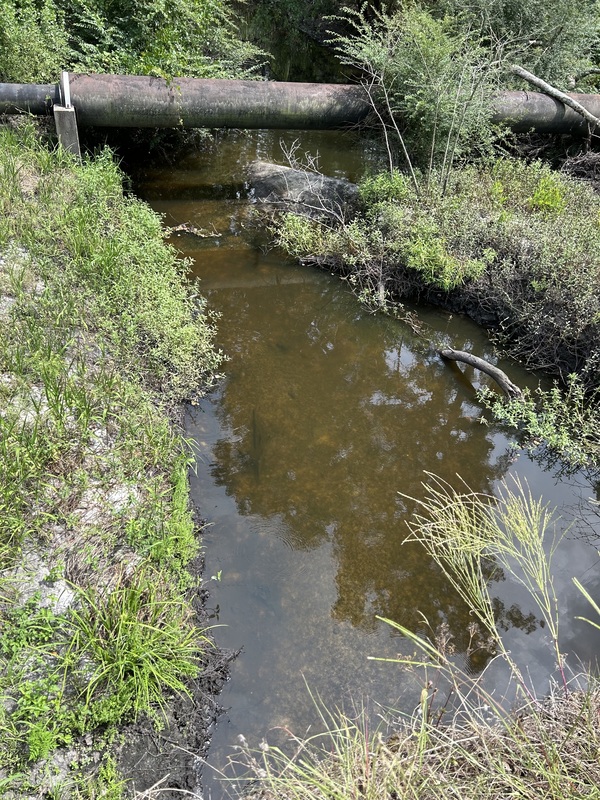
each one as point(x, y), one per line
point(302, 237)
point(384, 187)
point(548, 195)
point(34, 42)
point(427, 253)
point(196, 38)
point(430, 82)
point(555, 424)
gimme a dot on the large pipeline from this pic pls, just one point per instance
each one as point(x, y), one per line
point(29, 98)
point(534, 111)
point(126, 101)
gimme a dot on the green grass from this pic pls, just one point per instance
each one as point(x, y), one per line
point(101, 338)
point(134, 640)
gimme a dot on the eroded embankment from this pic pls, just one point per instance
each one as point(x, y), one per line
point(103, 637)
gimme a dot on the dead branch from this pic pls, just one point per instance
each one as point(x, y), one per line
point(551, 91)
point(187, 227)
point(508, 387)
point(585, 74)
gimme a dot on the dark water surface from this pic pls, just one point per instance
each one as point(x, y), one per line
point(325, 414)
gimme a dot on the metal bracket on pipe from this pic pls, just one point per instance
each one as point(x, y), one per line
point(65, 89)
point(65, 119)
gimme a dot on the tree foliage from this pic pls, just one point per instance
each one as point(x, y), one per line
point(430, 81)
point(195, 38)
point(33, 41)
point(554, 39)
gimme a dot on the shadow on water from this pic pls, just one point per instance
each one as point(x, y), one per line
point(325, 414)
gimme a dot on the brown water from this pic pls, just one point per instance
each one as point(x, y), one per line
point(326, 413)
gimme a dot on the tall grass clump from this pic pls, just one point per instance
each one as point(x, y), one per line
point(462, 740)
point(471, 536)
point(134, 641)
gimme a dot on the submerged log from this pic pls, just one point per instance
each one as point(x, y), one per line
point(508, 387)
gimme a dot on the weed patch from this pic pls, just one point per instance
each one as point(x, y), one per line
point(101, 337)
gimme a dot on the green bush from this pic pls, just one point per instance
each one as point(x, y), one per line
point(427, 253)
point(384, 187)
point(195, 38)
point(548, 195)
point(34, 41)
point(554, 424)
point(430, 82)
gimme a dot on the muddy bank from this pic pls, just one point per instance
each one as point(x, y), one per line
point(173, 757)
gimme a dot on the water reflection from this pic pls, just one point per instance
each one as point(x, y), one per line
point(325, 415)
point(334, 415)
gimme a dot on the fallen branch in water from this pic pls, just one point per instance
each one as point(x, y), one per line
point(508, 387)
point(187, 227)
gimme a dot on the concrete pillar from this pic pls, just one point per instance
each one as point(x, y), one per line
point(66, 128)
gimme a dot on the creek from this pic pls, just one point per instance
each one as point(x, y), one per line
point(324, 415)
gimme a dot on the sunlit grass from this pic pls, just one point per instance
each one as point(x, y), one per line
point(138, 639)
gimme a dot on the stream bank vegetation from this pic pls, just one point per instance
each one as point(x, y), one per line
point(514, 245)
point(463, 740)
point(457, 219)
point(101, 339)
point(166, 38)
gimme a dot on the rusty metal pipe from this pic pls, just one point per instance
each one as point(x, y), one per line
point(146, 102)
point(29, 98)
point(128, 101)
point(526, 111)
